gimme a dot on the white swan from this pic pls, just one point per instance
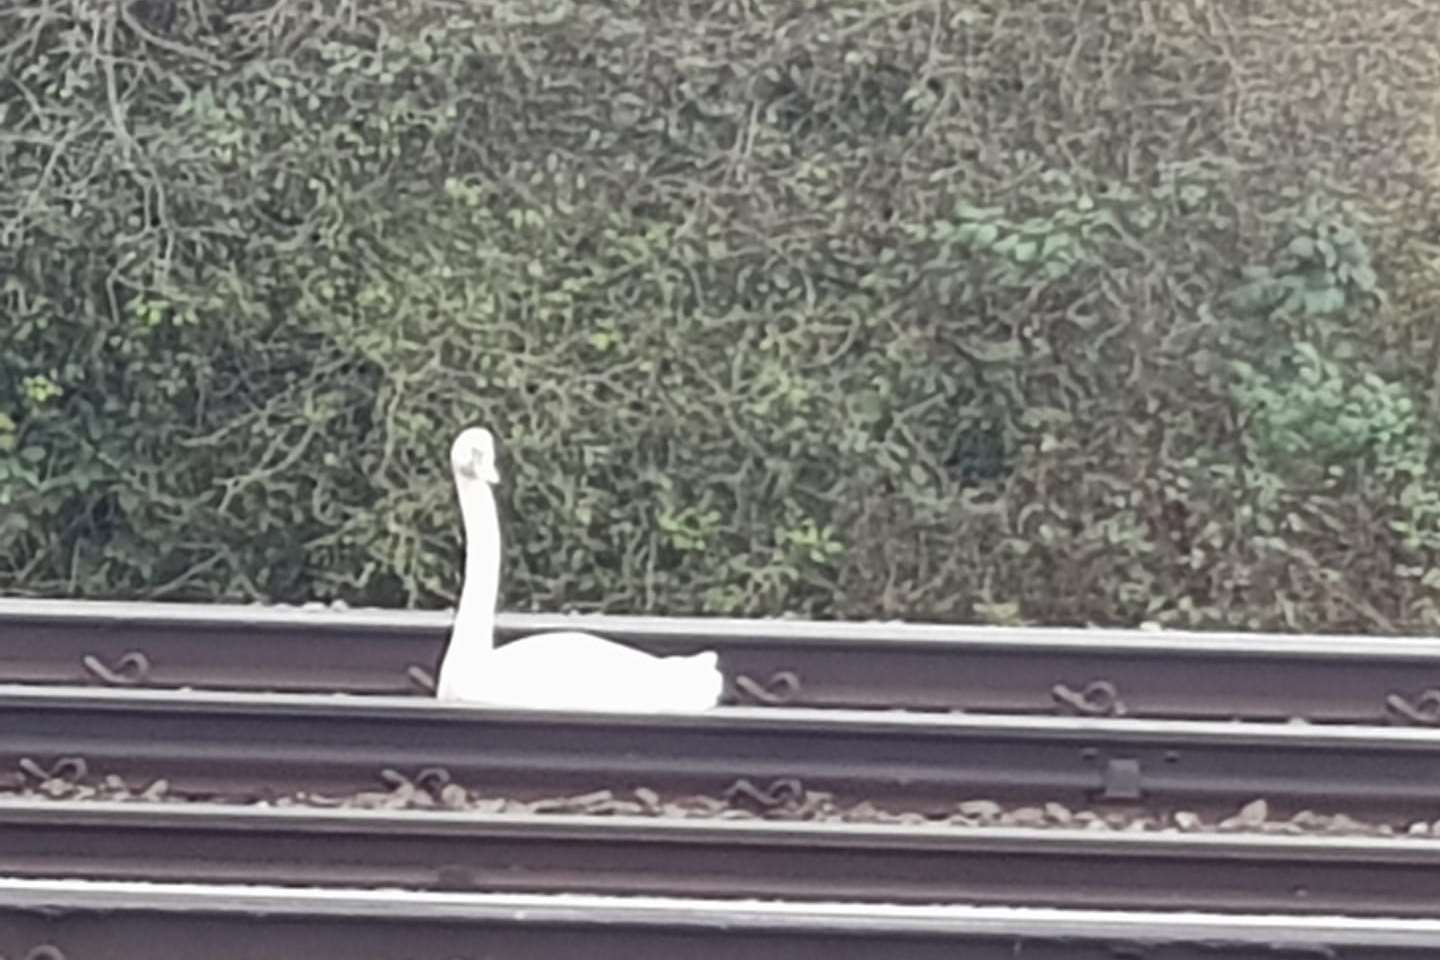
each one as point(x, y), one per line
point(564, 671)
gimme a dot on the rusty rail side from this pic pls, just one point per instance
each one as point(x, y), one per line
point(68, 920)
point(253, 746)
point(767, 662)
point(720, 859)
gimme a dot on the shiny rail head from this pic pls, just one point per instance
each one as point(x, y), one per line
point(733, 632)
point(703, 915)
point(722, 719)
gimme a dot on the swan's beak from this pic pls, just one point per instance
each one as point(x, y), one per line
point(482, 465)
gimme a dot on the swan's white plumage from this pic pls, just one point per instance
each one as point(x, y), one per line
point(553, 671)
point(580, 671)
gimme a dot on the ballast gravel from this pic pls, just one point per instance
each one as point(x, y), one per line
point(785, 800)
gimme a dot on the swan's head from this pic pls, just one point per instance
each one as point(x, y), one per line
point(472, 456)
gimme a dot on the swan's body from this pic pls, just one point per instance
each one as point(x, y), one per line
point(580, 671)
point(553, 671)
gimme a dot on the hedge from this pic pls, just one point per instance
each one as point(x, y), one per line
point(1044, 312)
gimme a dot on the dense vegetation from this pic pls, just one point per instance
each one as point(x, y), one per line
point(1099, 312)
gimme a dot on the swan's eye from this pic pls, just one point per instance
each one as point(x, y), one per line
point(482, 461)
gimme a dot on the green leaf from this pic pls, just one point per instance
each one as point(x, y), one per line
point(985, 236)
point(1056, 242)
point(1302, 247)
point(966, 211)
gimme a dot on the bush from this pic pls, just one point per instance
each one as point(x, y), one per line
point(844, 309)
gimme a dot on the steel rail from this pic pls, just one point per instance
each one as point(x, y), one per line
point(796, 663)
point(250, 746)
point(68, 920)
point(548, 853)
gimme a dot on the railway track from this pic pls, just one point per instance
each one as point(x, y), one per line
point(68, 920)
point(766, 662)
point(247, 747)
point(254, 788)
point(547, 853)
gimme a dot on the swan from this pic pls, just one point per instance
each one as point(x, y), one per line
point(555, 671)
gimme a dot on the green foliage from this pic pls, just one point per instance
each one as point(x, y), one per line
point(847, 309)
point(1322, 426)
point(1315, 418)
point(1323, 269)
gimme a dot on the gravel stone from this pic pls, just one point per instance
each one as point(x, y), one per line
point(985, 811)
point(1250, 817)
point(1188, 820)
point(1025, 817)
point(1341, 823)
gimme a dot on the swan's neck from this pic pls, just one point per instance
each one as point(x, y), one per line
point(475, 616)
